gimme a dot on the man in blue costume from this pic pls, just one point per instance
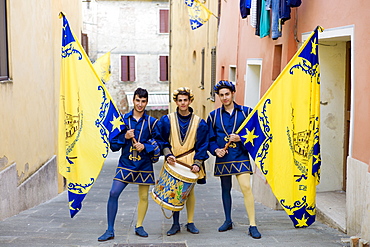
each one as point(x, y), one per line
point(139, 150)
point(184, 134)
point(234, 160)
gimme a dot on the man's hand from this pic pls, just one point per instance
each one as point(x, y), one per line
point(130, 134)
point(235, 138)
point(220, 152)
point(171, 160)
point(195, 168)
point(139, 146)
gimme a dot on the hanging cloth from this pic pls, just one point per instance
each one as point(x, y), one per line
point(275, 29)
point(253, 12)
point(265, 20)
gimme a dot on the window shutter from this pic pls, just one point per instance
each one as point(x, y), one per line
point(163, 68)
point(132, 68)
point(124, 68)
point(163, 21)
point(4, 70)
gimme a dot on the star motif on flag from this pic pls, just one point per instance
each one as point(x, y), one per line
point(313, 50)
point(249, 136)
point(194, 25)
point(116, 123)
point(189, 2)
point(317, 159)
point(302, 222)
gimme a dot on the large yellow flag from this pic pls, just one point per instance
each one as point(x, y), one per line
point(88, 119)
point(198, 13)
point(282, 134)
point(102, 67)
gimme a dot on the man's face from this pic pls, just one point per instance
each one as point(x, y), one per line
point(226, 96)
point(183, 102)
point(140, 103)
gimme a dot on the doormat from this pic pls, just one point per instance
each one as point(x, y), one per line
point(152, 245)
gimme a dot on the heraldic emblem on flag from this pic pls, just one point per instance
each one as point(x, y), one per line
point(88, 119)
point(282, 134)
point(198, 13)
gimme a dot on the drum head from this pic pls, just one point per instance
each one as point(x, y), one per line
point(183, 170)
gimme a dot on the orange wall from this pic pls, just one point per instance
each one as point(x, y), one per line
point(332, 14)
point(237, 43)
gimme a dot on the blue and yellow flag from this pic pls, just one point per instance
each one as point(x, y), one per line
point(198, 13)
point(282, 134)
point(88, 119)
point(102, 67)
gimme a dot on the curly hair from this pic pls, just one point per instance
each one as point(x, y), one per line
point(183, 91)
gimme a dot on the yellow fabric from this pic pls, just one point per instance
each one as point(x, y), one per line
point(102, 67)
point(190, 206)
point(244, 181)
point(198, 13)
point(88, 119)
point(283, 130)
point(142, 205)
point(179, 146)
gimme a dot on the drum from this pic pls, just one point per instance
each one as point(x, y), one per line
point(173, 187)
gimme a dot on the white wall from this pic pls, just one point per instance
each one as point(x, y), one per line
point(129, 28)
point(332, 66)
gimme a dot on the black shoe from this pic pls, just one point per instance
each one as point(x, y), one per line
point(190, 227)
point(253, 231)
point(174, 229)
point(141, 232)
point(108, 235)
point(226, 226)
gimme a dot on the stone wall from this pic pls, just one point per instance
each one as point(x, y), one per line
point(38, 188)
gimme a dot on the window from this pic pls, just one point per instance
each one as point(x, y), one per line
point(276, 67)
point(4, 70)
point(232, 74)
point(85, 42)
point(213, 72)
point(163, 21)
point(128, 68)
point(202, 69)
point(163, 68)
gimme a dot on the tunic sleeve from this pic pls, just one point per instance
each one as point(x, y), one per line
point(211, 136)
point(201, 144)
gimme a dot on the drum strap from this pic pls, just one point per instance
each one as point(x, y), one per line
point(185, 153)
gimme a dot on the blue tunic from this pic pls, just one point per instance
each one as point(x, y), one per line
point(136, 167)
point(221, 124)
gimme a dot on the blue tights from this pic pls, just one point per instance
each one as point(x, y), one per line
point(226, 196)
point(112, 207)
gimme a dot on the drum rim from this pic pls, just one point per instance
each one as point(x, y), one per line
point(175, 174)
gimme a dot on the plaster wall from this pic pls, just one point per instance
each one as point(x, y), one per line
point(128, 28)
point(316, 12)
point(332, 77)
point(29, 100)
point(358, 201)
point(185, 55)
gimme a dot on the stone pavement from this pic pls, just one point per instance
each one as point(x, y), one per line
point(49, 224)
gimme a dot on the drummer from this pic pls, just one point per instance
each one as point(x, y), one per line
point(182, 133)
point(139, 151)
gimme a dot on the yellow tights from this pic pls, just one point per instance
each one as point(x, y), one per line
point(142, 205)
point(244, 180)
point(190, 206)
